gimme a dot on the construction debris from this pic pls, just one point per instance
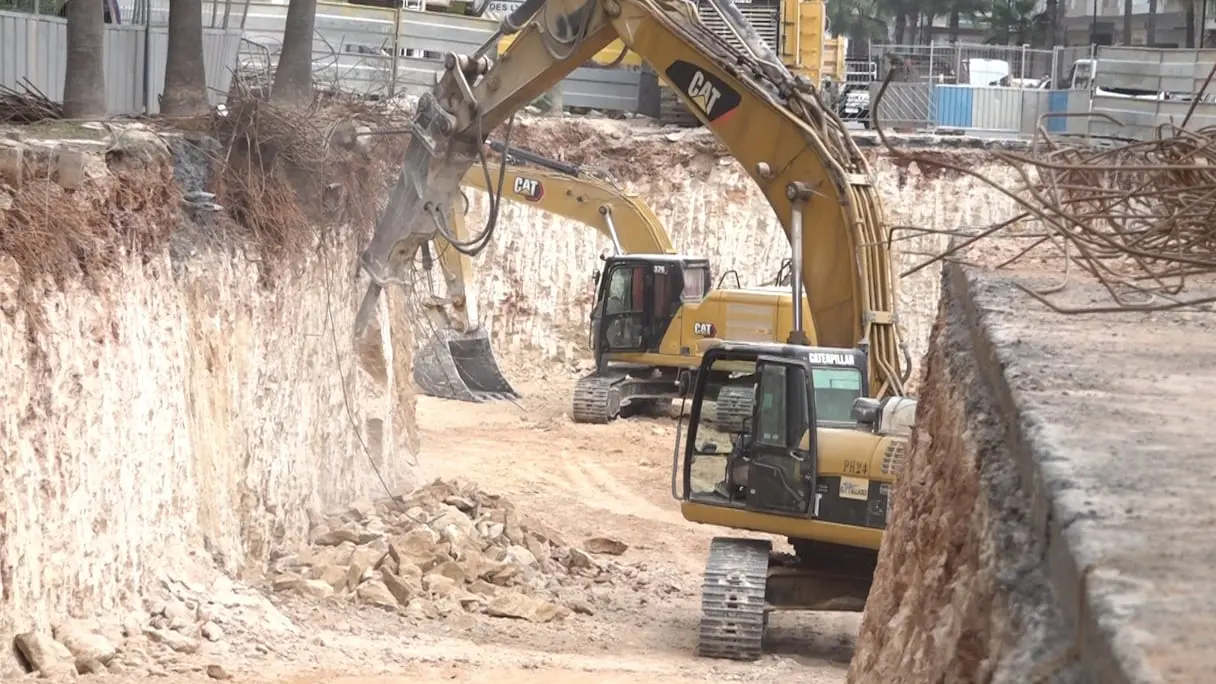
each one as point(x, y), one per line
point(442, 549)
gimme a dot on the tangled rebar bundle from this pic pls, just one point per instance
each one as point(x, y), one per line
point(1138, 216)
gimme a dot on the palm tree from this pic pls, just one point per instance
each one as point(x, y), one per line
point(185, 75)
point(84, 78)
point(293, 76)
point(1014, 22)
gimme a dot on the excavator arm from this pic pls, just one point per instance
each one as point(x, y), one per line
point(458, 361)
point(798, 153)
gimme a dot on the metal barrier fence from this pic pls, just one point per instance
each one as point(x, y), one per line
point(34, 47)
point(982, 111)
point(954, 63)
point(386, 52)
point(1168, 79)
point(364, 50)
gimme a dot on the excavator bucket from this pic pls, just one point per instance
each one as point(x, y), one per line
point(461, 367)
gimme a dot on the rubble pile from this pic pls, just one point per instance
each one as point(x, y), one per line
point(184, 627)
point(444, 549)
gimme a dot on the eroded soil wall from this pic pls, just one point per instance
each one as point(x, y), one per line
point(175, 408)
point(183, 408)
point(960, 593)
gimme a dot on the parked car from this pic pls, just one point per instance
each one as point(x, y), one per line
point(853, 103)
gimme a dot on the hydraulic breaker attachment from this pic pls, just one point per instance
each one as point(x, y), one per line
point(461, 366)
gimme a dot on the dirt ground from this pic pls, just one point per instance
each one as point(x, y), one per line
point(584, 480)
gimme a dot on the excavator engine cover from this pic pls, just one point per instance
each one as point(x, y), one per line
point(462, 367)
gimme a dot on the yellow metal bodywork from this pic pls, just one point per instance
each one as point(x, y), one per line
point(741, 314)
point(609, 56)
point(581, 199)
point(784, 142)
point(753, 315)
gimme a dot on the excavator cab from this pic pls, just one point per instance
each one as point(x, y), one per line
point(637, 298)
point(767, 463)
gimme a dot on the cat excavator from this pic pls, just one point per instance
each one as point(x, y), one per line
point(801, 467)
point(638, 358)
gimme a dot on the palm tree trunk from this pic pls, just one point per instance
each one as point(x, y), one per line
point(293, 76)
point(1190, 24)
point(955, 18)
point(1150, 26)
point(1127, 22)
point(901, 27)
point(185, 76)
point(84, 78)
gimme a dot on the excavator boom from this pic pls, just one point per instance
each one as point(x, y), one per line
point(458, 361)
point(798, 152)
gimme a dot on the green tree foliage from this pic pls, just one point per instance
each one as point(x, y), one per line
point(1010, 22)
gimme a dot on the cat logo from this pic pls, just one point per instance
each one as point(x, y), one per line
point(710, 94)
point(528, 188)
point(704, 329)
point(703, 92)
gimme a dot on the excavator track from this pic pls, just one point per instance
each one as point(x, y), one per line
point(733, 609)
point(733, 405)
point(596, 399)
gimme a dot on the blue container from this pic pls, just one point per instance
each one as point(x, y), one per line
point(952, 106)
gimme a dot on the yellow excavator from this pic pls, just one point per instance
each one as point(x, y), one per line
point(669, 298)
point(800, 467)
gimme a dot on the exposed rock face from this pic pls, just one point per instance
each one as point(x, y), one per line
point(960, 594)
point(441, 549)
point(177, 409)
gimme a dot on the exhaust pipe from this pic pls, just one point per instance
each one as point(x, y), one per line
point(461, 367)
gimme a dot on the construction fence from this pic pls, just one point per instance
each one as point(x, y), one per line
point(33, 52)
point(978, 90)
point(1127, 93)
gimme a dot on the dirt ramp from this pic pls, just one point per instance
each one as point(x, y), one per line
point(171, 405)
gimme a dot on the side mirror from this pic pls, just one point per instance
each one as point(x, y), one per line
point(745, 425)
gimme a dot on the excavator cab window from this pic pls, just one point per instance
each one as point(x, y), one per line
point(835, 391)
point(696, 283)
point(637, 300)
point(781, 458)
point(770, 465)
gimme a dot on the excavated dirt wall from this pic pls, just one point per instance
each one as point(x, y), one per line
point(177, 407)
point(171, 404)
point(961, 593)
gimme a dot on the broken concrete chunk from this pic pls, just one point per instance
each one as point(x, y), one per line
point(44, 655)
point(333, 575)
point(174, 640)
point(606, 546)
point(459, 503)
point(374, 593)
point(84, 641)
point(515, 605)
point(404, 589)
point(346, 535)
point(306, 587)
point(217, 672)
point(212, 632)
